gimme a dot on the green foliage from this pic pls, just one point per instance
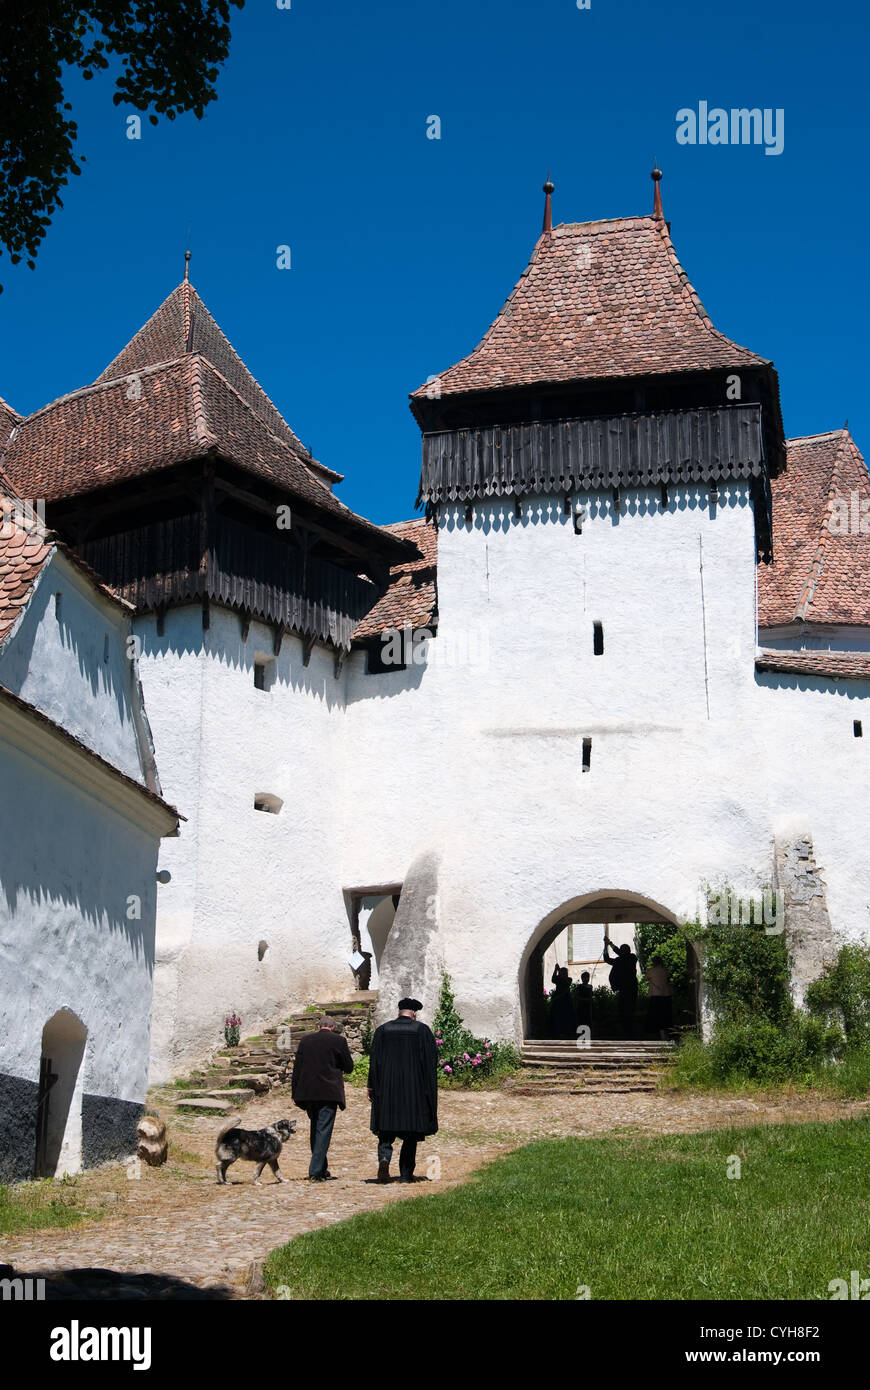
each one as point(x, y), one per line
point(841, 994)
point(463, 1059)
point(661, 939)
point(166, 59)
point(558, 1214)
point(746, 972)
point(360, 1074)
point(760, 1050)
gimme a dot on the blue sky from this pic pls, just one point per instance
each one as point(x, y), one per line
point(404, 248)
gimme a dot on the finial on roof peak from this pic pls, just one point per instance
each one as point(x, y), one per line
point(186, 265)
point(656, 176)
point(549, 188)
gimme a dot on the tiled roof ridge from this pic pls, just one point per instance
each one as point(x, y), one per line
point(808, 589)
point(824, 664)
point(4, 405)
point(99, 385)
point(695, 298)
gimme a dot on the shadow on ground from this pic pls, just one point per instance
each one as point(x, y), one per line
point(93, 1285)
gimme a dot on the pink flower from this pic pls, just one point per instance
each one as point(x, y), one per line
point(448, 1070)
point(476, 1062)
point(465, 1057)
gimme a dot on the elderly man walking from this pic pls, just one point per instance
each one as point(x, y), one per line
point(317, 1087)
point(403, 1088)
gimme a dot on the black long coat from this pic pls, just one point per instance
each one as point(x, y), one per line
point(403, 1079)
point(320, 1059)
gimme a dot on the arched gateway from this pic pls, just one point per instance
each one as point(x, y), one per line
point(591, 912)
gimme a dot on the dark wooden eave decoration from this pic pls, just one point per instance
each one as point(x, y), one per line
point(609, 453)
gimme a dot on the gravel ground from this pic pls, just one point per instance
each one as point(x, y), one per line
point(174, 1233)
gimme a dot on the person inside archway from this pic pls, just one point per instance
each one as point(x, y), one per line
point(583, 1001)
point(562, 1009)
point(659, 1012)
point(623, 981)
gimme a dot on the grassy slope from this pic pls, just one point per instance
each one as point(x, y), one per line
point(34, 1206)
point(630, 1217)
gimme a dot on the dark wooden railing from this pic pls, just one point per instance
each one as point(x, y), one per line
point(162, 563)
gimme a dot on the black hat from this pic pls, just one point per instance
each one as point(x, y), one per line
point(413, 1004)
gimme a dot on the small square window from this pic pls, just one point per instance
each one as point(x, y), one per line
point(264, 672)
point(587, 754)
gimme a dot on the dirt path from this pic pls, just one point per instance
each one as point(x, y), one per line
point(177, 1223)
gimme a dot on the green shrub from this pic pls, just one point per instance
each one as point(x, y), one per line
point(747, 973)
point(758, 1049)
point(360, 1074)
point(841, 994)
point(463, 1059)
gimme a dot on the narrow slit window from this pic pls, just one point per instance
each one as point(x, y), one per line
point(58, 604)
point(598, 639)
point(105, 646)
point(587, 754)
point(857, 728)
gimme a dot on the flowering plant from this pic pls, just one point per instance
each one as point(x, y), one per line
point(232, 1024)
point(463, 1058)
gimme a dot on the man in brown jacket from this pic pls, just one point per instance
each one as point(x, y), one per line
point(317, 1088)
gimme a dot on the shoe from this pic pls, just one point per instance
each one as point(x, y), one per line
point(383, 1172)
point(407, 1177)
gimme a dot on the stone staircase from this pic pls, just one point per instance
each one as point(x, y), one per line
point(556, 1066)
point(264, 1063)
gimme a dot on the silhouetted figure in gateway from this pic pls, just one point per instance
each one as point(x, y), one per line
point(583, 1000)
point(623, 981)
point(562, 1009)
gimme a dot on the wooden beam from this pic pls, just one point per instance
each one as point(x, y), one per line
point(339, 662)
point(160, 613)
point(245, 618)
point(206, 614)
point(277, 638)
point(308, 644)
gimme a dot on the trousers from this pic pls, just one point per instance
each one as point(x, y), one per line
point(322, 1119)
point(407, 1153)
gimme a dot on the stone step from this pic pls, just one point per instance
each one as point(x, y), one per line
point(236, 1095)
point(214, 1107)
point(260, 1081)
point(581, 1064)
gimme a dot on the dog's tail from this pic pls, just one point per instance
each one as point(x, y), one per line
point(225, 1128)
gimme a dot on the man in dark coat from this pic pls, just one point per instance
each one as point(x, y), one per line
point(317, 1087)
point(403, 1088)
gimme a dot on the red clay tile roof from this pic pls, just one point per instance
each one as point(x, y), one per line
point(838, 666)
point(598, 299)
point(24, 549)
point(185, 410)
point(817, 575)
point(9, 418)
point(412, 596)
point(184, 325)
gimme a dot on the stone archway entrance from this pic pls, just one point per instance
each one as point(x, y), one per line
point(573, 935)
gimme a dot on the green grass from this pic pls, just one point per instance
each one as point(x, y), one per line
point(638, 1217)
point(34, 1206)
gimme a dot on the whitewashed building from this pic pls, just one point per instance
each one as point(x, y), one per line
point(623, 657)
point(81, 818)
